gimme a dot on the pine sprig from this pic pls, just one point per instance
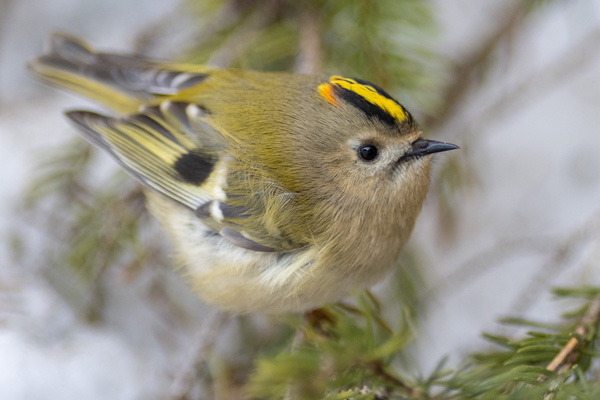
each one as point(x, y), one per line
point(353, 348)
point(552, 361)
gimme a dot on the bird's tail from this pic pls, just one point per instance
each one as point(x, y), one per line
point(121, 82)
point(167, 144)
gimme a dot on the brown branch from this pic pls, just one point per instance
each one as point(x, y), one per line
point(378, 369)
point(570, 353)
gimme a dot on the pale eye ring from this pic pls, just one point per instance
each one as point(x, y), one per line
point(368, 152)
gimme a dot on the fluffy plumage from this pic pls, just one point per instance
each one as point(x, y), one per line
point(257, 177)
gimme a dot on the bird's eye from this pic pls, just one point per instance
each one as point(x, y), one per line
point(368, 153)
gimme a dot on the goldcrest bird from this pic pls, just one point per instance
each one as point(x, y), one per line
point(279, 192)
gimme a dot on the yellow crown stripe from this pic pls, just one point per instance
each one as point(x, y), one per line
point(370, 94)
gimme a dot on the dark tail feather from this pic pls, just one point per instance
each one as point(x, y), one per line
point(122, 82)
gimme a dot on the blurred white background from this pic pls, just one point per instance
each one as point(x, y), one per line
point(538, 183)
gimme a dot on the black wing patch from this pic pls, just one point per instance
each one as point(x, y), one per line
point(163, 158)
point(194, 167)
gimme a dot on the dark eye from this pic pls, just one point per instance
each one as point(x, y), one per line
point(368, 153)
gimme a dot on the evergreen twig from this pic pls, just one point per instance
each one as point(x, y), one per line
point(569, 354)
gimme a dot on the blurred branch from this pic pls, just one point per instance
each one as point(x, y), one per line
point(5, 13)
point(152, 34)
point(574, 59)
point(228, 33)
point(468, 72)
point(186, 379)
point(310, 57)
point(484, 262)
point(241, 38)
point(226, 16)
point(556, 263)
point(5, 10)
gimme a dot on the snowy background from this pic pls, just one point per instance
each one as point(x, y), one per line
point(538, 172)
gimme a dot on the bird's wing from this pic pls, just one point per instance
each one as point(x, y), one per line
point(175, 149)
point(171, 143)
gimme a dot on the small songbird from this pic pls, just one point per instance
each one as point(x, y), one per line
point(279, 192)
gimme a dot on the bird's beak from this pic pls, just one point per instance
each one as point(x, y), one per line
point(422, 147)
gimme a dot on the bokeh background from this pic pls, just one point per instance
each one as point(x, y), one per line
point(88, 305)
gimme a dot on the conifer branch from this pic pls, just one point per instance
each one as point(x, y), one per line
point(570, 353)
point(378, 369)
